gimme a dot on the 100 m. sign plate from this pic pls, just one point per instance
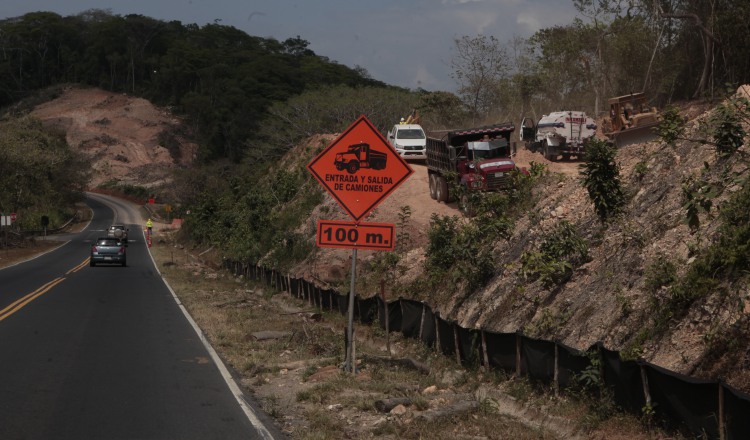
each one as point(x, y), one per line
point(352, 235)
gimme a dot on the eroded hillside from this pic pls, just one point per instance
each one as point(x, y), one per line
point(607, 299)
point(127, 139)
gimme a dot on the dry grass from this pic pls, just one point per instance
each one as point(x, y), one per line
point(297, 378)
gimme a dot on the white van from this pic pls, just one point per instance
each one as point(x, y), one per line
point(409, 141)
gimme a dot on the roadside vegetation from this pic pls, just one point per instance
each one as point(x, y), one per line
point(39, 174)
point(249, 203)
point(287, 352)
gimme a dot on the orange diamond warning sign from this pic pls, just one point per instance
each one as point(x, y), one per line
point(360, 169)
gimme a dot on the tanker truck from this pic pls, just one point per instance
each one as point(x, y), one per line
point(563, 133)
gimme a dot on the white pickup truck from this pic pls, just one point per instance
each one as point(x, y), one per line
point(409, 141)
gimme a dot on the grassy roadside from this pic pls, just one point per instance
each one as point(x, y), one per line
point(288, 355)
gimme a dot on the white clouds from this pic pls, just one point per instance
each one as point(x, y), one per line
point(528, 21)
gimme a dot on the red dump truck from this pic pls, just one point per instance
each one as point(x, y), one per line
point(360, 156)
point(479, 159)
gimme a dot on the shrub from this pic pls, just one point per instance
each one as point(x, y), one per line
point(559, 254)
point(601, 178)
point(671, 126)
point(728, 134)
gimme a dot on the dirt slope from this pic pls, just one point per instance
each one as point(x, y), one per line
point(120, 133)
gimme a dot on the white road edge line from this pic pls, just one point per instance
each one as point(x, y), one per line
point(236, 390)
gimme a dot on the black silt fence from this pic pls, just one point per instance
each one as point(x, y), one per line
point(427, 329)
point(445, 338)
point(394, 315)
point(623, 378)
point(736, 413)
point(538, 359)
point(501, 350)
point(367, 309)
point(685, 403)
point(570, 364)
point(470, 346)
point(706, 409)
point(411, 317)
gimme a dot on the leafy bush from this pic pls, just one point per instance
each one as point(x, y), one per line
point(671, 126)
point(697, 196)
point(559, 254)
point(458, 253)
point(601, 178)
point(662, 272)
point(728, 133)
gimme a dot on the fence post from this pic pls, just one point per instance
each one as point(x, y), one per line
point(518, 354)
point(386, 318)
point(722, 434)
point(421, 322)
point(644, 380)
point(455, 342)
point(437, 333)
point(556, 373)
point(484, 351)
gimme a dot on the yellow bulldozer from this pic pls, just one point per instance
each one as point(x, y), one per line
point(631, 120)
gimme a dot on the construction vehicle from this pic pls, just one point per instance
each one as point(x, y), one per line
point(360, 156)
point(631, 120)
point(413, 118)
point(477, 159)
point(563, 133)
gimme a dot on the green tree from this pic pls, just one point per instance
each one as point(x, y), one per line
point(601, 178)
point(39, 174)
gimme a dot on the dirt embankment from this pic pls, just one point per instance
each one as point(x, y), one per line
point(127, 138)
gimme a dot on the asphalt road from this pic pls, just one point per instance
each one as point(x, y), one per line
point(107, 352)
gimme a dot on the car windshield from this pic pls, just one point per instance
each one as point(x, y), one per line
point(107, 242)
point(410, 133)
point(489, 149)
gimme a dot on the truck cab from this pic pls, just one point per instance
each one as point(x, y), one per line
point(409, 141)
point(485, 164)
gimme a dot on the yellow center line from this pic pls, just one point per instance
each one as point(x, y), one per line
point(79, 267)
point(20, 303)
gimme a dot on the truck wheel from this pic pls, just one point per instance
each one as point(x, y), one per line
point(549, 152)
point(352, 167)
point(433, 190)
point(441, 189)
point(466, 207)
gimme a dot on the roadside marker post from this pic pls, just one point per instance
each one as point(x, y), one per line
point(359, 169)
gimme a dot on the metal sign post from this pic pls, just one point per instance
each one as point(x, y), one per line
point(359, 169)
point(349, 363)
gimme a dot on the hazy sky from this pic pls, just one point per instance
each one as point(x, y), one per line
point(407, 43)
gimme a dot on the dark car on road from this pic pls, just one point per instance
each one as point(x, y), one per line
point(108, 250)
point(118, 231)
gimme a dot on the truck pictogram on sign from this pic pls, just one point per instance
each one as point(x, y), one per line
point(359, 169)
point(360, 156)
